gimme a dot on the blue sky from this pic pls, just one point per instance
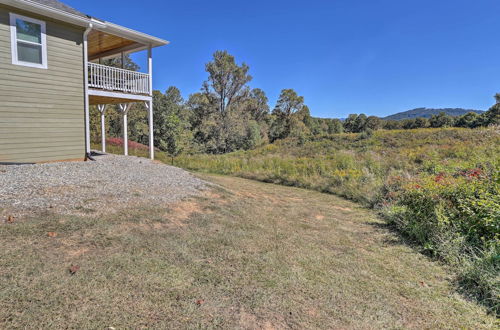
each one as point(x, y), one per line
point(344, 56)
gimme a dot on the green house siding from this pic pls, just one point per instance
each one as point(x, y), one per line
point(42, 110)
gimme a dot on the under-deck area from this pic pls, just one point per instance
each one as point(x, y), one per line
point(111, 85)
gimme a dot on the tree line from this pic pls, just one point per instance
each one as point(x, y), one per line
point(227, 115)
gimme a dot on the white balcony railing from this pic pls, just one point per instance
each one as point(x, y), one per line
point(115, 79)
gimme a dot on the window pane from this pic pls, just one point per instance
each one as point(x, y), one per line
point(29, 53)
point(28, 31)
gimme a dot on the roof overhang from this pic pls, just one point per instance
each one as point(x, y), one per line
point(99, 25)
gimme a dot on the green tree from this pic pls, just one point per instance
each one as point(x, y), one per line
point(392, 124)
point(360, 123)
point(374, 123)
point(116, 62)
point(171, 122)
point(335, 126)
point(226, 82)
point(469, 120)
point(441, 120)
point(257, 105)
point(289, 103)
point(220, 116)
point(421, 122)
point(350, 125)
point(492, 116)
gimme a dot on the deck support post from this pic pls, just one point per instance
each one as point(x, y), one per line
point(149, 104)
point(150, 70)
point(149, 107)
point(102, 110)
point(124, 108)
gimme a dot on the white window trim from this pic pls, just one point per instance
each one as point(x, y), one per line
point(13, 38)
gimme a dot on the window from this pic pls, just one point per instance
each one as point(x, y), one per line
point(29, 42)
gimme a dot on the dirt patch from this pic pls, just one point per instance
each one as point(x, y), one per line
point(342, 208)
point(250, 321)
point(78, 252)
point(180, 212)
point(212, 195)
point(319, 217)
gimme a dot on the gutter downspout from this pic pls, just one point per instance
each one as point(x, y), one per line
point(88, 155)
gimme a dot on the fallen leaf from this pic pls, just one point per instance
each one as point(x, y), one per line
point(73, 269)
point(10, 219)
point(52, 234)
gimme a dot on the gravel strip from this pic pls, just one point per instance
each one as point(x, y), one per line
point(106, 185)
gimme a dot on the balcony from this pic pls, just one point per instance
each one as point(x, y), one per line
point(113, 79)
point(118, 80)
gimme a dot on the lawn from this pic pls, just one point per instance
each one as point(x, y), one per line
point(438, 187)
point(244, 255)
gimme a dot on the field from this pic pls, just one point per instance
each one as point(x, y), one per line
point(245, 255)
point(438, 187)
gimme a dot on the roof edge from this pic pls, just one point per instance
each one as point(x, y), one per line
point(103, 26)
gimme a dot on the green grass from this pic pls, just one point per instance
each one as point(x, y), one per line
point(245, 255)
point(439, 187)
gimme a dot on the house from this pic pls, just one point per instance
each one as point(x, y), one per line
point(50, 74)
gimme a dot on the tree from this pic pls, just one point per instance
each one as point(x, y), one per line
point(128, 63)
point(219, 110)
point(226, 81)
point(392, 124)
point(335, 126)
point(441, 120)
point(469, 120)
point(350, 125)
point(289, 103)
point(171, 122)
point(257, 104)
point(492, 116)
point(360, 123)
point(374, 123)
point(409, 123)
point(421, 122)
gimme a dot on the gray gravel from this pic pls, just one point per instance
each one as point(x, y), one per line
point(106, 185)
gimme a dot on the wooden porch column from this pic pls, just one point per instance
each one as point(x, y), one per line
point(149, 106)
point(124, 110)
point(102, 110)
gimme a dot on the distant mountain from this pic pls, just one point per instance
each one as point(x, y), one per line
point(427, 113)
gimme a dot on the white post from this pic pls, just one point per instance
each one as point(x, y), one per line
point(149, 106)
point(102, 110)
point(150, 70)
point(124, 110)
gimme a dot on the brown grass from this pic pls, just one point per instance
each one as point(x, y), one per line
point(246, 255)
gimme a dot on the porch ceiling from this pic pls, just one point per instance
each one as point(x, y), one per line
point(101, 44)
point(98, 99)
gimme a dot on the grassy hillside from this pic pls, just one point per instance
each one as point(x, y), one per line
point(440, 187)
